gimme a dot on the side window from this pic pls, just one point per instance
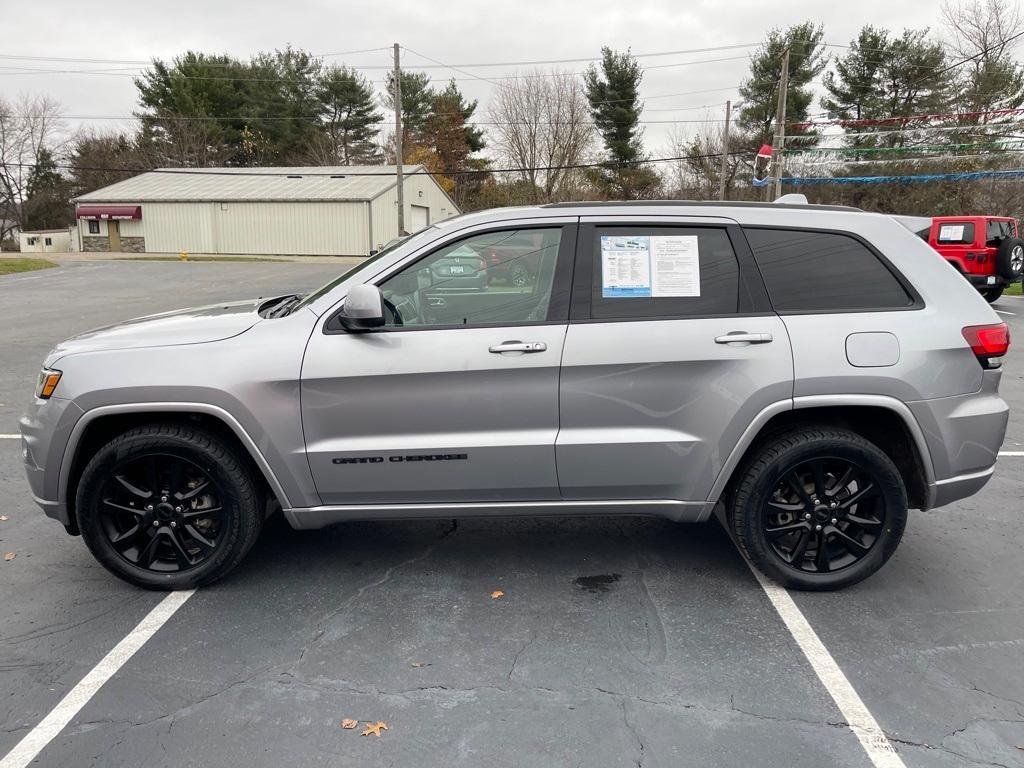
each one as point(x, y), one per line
point(649, 272)
point(94, 227)
point(956, 233)
point(494, 278)
point(821, 271)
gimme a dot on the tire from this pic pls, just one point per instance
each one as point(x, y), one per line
point(1010, 258)
point(205, 515)
point(767, 513)
point(992, 294)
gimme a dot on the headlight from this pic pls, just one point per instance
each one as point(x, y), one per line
point(47, 383)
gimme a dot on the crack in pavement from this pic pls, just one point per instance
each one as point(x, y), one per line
point(321, 626)
point(515, 659)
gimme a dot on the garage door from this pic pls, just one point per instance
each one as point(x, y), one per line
point(420, 218)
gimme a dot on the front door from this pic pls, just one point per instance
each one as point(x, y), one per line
point(114, 234)
point(671, 352)
point(456, 398)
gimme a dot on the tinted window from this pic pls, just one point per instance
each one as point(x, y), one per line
point(641, 272)
point(814, 271)
point(956, 233)
point(493, 278)
point(995, 231)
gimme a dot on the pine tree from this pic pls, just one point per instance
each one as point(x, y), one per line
point(349, 116)
point(417, 104)
point(613, 92)
point(47, 196)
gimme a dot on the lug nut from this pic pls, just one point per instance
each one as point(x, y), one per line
point(163, 498)
point(817, 527)
point(149, 507)
point(834, 504)
point(815, 501)
point(177, 509)
point(156, 523)
point(173, 524)
point(834, 521)
point(807, 516)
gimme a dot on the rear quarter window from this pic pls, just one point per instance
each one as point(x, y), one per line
point(808, 271)
point(955, 233)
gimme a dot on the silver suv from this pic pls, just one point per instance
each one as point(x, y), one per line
point(807, 372)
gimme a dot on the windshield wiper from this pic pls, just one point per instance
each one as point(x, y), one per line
point(284, 306)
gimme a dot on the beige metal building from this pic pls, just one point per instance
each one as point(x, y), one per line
point(334, 211)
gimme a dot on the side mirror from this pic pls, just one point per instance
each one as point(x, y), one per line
point(363, 309)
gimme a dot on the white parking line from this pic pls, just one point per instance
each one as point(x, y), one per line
point(29, 747)
point(1011, 453)
point(9, 437)
point(1004, 312)
point(861, 722)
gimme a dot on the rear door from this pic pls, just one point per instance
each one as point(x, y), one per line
point(671, 352)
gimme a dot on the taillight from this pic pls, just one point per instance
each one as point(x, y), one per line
point(988, 343)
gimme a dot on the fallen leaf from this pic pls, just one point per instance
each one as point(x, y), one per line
point(348, 723)
point(3, 518)
point(496, 594)
point(8, 556)
point(375, 728)
point(419, 664)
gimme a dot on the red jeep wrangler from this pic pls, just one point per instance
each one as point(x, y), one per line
point(984, 249)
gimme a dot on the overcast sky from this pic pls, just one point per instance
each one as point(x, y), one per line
point(455, 31)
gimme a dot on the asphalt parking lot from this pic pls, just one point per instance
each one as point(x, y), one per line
point(617, 642)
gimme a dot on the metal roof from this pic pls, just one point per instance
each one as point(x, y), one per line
point(215, 185)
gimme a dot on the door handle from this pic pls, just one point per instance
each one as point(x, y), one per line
point(518, 346)
point(742, 337)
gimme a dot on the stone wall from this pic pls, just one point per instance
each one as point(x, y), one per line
point(95, 243)
point(133, 244)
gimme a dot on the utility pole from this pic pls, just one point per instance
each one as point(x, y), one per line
point(780, 126)
point(725, 153)
point(398, 142)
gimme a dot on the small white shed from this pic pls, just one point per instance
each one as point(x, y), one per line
point(333, 210)
point(45, 241)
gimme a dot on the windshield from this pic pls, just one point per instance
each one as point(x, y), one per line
point(310, 298)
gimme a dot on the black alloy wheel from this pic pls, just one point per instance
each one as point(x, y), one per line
point(824, 515)
point(169, 505)
point(162, 512)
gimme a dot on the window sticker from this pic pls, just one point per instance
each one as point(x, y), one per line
point(951, 232)
point(625, 266)
point(676, 266)
point(642, 266)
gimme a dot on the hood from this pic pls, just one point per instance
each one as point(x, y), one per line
point(183, 326)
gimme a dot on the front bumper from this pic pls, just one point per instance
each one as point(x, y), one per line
point(45, 431)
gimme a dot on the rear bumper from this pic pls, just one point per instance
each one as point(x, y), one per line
point(964, 434)
point(987, 281)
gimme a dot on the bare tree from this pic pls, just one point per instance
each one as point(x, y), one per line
point(983, 31)
point(31, 129)
point(695, 175)
point(542, 125)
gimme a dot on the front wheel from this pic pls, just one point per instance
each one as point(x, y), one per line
point(992, 295)
point(168, 506)
point(818, 509)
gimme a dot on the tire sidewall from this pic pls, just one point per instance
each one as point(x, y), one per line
point(90, 487)
point(1004, 258)
point(870, 459)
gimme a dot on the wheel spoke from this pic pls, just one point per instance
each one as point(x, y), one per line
point(843, 481)
point(784, 506)
point(152, 476)
point(148, 553)
point(184, 561)
point(818, 468)
point(821, 561)
point(175, 476)
point(132, 489)
point(123, 540)
point(797, 485)
point(196, 514)
point(797, 556)
point(864, 522)
point(192, 493)
point(870, 489)
point(205, 544)
point(782, 530)
point(123, 508)
point(853, 546)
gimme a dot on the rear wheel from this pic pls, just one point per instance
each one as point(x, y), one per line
point(818, 509)
point(992, 294)
point(168, 506)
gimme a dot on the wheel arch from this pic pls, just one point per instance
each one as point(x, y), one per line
point(99, 425)
point(873, 417)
